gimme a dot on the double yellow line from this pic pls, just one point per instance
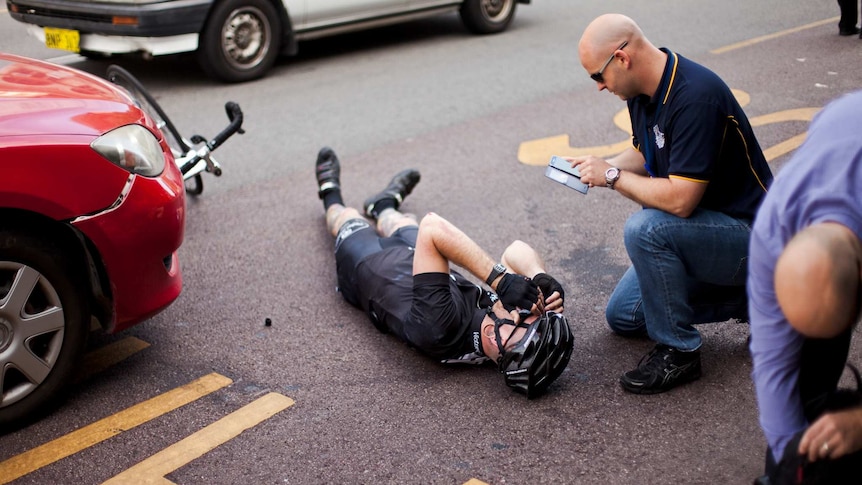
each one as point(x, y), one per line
point(153, 469)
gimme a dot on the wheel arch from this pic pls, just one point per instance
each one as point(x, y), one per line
point(289, 45)
point(86, 255)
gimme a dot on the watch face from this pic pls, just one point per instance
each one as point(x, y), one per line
point(612, 173)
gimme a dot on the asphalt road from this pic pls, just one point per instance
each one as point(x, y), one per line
point(320, 396)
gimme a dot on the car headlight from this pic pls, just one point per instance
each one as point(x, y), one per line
point(133, 148)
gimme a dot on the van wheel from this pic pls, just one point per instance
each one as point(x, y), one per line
point(240, 40)
point(44, 323)
point(488, 16)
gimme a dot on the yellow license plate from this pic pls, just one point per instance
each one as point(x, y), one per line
point(65, 39)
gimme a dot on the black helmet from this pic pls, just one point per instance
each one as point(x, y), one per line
point(534, 362)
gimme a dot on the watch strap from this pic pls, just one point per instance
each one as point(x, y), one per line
point(610, 181)
point(496, 271)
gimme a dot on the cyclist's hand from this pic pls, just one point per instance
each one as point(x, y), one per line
point(518, 291)
point(550, 286)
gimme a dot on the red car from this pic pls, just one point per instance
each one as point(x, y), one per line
point(92, 211)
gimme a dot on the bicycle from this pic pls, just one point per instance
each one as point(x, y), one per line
point(193, 156)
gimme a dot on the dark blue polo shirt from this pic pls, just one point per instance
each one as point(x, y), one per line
point(694, 129)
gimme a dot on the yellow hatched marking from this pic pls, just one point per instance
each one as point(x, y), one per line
point(78, 440)
point(153, 469)
point(538, 152)
point(784, 147)
point(104, 357)
point(757, 40)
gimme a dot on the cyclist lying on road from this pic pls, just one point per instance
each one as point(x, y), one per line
point(398, 272)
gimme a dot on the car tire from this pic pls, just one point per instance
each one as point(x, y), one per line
point(44, 324)
point(240, 40)
point(488, 16)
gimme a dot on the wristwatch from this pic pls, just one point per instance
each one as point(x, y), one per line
point(496, 271)
point(611, 176)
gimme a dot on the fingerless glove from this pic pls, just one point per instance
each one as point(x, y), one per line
point(517, 291)
point(549, 285)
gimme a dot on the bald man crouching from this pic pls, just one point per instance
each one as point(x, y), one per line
point(805, 296)
point(697, 170)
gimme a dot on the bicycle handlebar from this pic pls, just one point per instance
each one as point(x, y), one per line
point(234, 114)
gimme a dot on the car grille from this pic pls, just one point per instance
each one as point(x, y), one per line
point(55, 13)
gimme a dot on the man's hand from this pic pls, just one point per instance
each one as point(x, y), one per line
point(592, 170)
point(833, 435)
point(517, 291)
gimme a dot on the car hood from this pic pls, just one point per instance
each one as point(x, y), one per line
point(40, 98)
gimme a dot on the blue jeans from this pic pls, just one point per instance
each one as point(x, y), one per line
point(684, 271)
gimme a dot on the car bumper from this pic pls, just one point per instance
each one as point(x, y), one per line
point(137, 242)
point(109, 44)
point(157, 19)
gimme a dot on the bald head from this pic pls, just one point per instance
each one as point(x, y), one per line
point(817, 280)
point(635, 69)
point(606, 32)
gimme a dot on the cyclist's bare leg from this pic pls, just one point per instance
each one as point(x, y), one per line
point(390, 220)
point(337, 215)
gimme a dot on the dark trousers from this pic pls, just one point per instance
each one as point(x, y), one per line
point(849, 12)
point(822, 363)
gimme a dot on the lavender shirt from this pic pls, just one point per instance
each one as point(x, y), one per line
point(822, 182)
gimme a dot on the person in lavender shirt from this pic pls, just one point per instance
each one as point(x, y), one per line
point(805, 294)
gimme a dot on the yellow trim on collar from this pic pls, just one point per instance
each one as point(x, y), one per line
point(672, 77)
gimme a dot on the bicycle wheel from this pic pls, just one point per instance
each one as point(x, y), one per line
point(147, 103)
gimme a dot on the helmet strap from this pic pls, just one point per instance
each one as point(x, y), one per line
point(498, 323)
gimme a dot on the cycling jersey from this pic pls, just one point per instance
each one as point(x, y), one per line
point(440, 314)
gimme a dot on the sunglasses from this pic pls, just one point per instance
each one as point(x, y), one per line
point(597, 76)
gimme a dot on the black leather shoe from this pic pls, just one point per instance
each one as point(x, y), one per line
point(845, 32)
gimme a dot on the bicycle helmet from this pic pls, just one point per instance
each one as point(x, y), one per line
point(539, 357)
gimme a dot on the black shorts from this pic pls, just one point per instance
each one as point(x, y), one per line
point(356, 240)
point(434, 312)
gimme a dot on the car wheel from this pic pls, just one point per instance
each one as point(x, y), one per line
point(240, 41)
point(488, 16)
point(44, 322)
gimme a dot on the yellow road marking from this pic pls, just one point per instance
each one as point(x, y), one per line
point(538, 152)
point(784, 147)
point(104, 357)
point(473, 481)
point(83, 438)
point(792, 143)
point(756, 40)
point(153, 469)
